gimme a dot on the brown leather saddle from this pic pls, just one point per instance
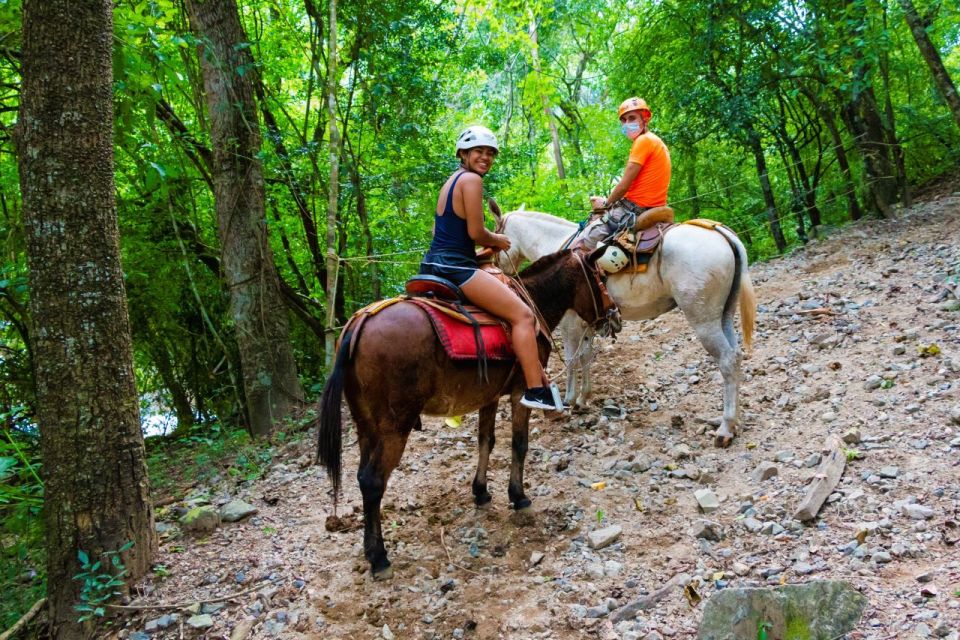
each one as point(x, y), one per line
point(642, 245)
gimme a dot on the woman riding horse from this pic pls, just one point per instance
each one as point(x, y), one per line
point(458, 227)
point(396, 369)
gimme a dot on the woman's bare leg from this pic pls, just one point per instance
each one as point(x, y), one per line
point(490, 294)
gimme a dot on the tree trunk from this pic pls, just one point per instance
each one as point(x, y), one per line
point(862, 116)
point(773, 217)
point(178, 394)
point(333, 193)
point(890, 126)
point(827, 116)
point(357, 182)
point(270, 381)
point(931, 56)
point(863, 119)
point(796, 191)
point(554, 134)
point(96, 495)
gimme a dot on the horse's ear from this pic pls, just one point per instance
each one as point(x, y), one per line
point(495, 209)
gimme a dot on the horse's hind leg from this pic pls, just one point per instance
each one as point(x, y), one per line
point(381, 446)
point(521, 421)
point(485, 441)
point(715, 340)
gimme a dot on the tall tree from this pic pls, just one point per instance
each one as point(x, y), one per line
point(333, 194)
point(918, 28)
point(96, 489)
point(270, 380)
point(547, 113)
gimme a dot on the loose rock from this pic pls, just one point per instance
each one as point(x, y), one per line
point(824, 609)
point(604, 537)
point(236, 510)
point(764, 471)
point(200, 520)
point(707, 500)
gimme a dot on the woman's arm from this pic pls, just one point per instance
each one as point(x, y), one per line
point(471, 186)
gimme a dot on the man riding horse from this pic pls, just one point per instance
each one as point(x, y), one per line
point(643, 186)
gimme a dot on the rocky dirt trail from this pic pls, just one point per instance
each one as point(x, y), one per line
point(858, 336)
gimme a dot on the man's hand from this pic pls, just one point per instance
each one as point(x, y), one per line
point(598, 202)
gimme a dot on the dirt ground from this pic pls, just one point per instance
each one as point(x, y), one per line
point(855, 332)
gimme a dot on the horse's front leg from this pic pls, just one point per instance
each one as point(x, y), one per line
point(585, 360)
point(575, 332)
point(519, 444)
point(485, 440)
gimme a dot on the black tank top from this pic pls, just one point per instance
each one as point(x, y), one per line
point(450, 230)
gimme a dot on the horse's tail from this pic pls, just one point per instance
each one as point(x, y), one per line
point(741, 288)
point(329, 436)
point(748, 311)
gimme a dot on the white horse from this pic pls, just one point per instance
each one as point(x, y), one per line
point(702, 271)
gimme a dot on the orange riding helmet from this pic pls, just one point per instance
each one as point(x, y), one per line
point(634, 104)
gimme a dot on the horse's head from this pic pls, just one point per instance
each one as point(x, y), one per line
point(571, 280)
point(606, 317)
point(510, 260)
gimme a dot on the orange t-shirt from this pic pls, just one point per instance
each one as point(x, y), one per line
point(649, 189)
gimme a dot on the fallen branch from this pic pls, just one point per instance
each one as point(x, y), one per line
point(819, 311)
point(24, 620)
point(183, 605)
point(630, 610)
point(449, 559)
point(824, 482)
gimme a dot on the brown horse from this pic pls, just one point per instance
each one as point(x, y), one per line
point(398, 370)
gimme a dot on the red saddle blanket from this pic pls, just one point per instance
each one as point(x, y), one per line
point(457, 335)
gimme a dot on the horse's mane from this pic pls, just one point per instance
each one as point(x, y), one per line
point(539, 215)
point(544, 263)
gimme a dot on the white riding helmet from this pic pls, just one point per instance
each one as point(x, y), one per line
point(477, 136)
point(613, 259)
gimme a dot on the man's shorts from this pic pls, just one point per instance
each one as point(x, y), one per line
point(455, 267)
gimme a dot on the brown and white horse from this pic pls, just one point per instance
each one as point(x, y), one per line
point(398, 370)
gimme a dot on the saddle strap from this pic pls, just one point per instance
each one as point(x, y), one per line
point(478, 343)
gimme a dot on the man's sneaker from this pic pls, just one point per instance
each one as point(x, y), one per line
point(540, 398)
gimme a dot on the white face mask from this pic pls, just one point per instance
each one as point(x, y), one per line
point(631, 129)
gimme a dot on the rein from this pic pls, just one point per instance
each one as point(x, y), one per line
point(606, 307)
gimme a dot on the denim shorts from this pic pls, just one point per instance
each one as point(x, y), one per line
point(455, 267)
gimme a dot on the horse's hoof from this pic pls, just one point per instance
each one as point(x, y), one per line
point(523, 505)
point(722, 441)
point(383, 574)
point(482, 500)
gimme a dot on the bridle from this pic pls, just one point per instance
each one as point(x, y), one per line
point(606, 313)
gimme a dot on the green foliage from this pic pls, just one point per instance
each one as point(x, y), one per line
point(100, 582)
point(22, 558)
point(718, 76)
point(206, 454)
